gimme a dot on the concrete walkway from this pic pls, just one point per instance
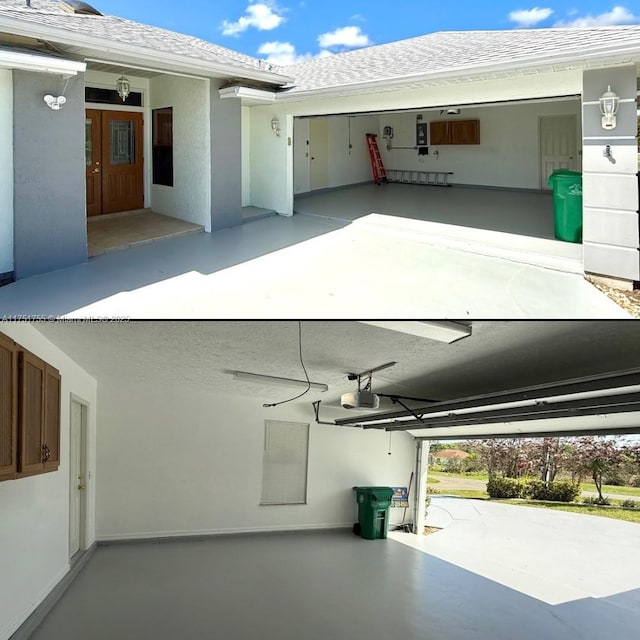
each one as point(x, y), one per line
point(584, 567)
point(304, 267)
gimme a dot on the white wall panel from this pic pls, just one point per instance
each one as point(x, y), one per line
point(192, 464)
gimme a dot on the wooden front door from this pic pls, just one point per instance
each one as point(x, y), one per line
point(114, 164)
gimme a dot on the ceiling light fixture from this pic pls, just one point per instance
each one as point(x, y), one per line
point(441, 330)
point(244, 376)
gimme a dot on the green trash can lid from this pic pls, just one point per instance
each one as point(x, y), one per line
point(565, 172)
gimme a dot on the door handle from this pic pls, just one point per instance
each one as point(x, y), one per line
point(96, 171)
point(81, 487)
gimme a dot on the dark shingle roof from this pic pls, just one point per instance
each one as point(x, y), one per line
point(49, 13)
point(449, 51)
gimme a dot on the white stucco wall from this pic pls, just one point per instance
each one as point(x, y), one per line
point(508, 153)
point(34, 512)
point(191, 463)
point(6, 175)
point(190, 197)
point(246, 156)
point(270, 156)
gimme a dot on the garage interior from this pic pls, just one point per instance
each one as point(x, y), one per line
point(497, 157)
point(177, 537)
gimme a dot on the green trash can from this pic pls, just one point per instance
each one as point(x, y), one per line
point(373, 511)
point(567, 204)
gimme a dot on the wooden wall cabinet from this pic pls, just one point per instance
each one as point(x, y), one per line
point(30, 392)
point(455, 132)
point(8, 408)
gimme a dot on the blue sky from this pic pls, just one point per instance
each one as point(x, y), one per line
point(287, 31)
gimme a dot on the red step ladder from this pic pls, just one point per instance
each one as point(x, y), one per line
point(379, 173)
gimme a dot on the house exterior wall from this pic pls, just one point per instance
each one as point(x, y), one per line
point(6, 175)
point(610, 187)
point(191, 463)
point(226, 160)
point(246, 157)
point(271, 155)
point(34, 521)
point(190, 197)
point(49, 169)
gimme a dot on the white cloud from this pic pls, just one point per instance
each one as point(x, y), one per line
point(284, 53)
point(529, 17)
point(261, 16)
point(349, 37)
point(617, 15)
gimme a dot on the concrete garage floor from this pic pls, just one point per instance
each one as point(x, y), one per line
point(303, 267)
point(489, 575)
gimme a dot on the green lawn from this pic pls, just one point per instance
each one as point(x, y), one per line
point(462, 493)
point(592, 510)
point(609, 488)
point(473, 476)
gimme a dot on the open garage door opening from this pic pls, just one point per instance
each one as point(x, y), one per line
point(469, 177)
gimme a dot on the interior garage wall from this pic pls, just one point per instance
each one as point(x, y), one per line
point(508, 153)
point(190, 463)
point(271, 156)
point(34, 512)
point(6, 175)
point(49, 175)
point(190, 197)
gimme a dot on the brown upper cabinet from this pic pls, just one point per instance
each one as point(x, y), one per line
point(29, 413)
point(455, 132)
point(8, 408)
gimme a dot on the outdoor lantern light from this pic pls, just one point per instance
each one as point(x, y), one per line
point(609, 102)
point(123, 87)
point(275, 125)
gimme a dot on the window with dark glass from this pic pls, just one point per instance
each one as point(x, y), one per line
point(110, 96)
point(163, 146)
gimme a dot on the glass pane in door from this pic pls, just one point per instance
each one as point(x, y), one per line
point(88, 142)
point(123, 142)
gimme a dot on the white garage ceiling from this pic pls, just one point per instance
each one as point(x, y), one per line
point(499, 355)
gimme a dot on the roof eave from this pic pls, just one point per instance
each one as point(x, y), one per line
point(186, 63)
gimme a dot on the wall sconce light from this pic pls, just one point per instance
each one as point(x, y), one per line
point(123, 87)
point(55, 102)
point(275, 126)
point(609, 103)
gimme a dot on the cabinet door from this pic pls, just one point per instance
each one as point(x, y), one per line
point(8, 407)
point(465, 132)
point(51, 432)
point(439, 133)
point(31, 422)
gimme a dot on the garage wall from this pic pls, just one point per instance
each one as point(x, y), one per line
point(246, 155)
point(174, 462)
point(190, 197)
point(508, 153)
point(270, 155)
point(34, 520)
point(6, 175)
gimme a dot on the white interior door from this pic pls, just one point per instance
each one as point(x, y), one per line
point(557, 146)
point(77, 481)
point(319, 150)
point(301, 156)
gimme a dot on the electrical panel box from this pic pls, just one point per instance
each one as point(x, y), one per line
point(387, 133)
point(422, 129)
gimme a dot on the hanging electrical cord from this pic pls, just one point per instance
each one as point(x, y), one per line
point(306, 375)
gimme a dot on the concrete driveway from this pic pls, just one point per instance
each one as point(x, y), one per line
point(305, 267)
point(580, 570)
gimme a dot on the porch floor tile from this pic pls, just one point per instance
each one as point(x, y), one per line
point(121, 231)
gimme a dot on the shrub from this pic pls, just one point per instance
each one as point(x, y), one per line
point(499, 487)
point(634, 481)
point(596, 500)
point(629, 503)
point(561, 491)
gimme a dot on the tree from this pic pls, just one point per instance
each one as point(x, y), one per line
point(597, 456)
